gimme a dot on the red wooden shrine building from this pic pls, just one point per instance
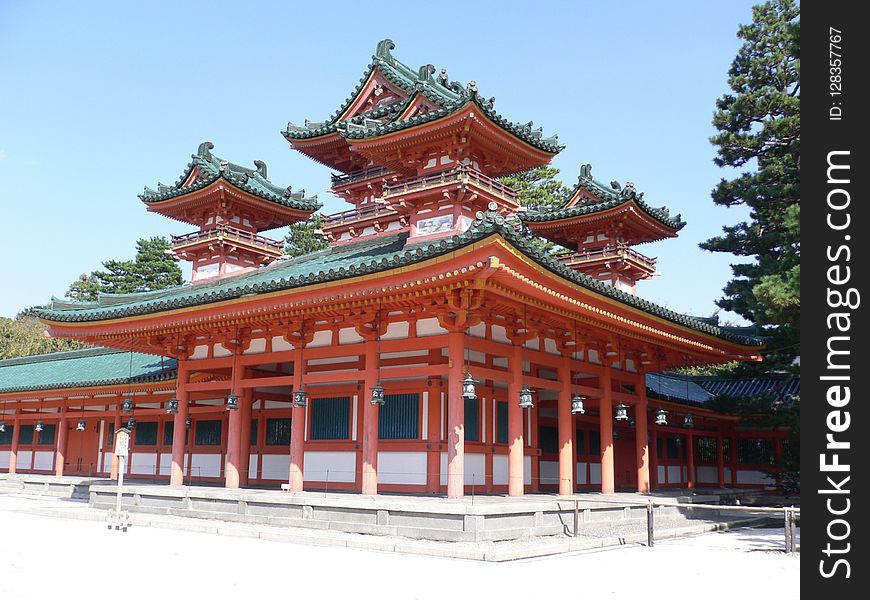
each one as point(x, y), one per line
point(429, 349)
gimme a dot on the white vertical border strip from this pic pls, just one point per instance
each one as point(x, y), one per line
point(102, 466)
point(441, 433)
point(483, 421)
point(494, 420)
point(307, 405)
point(355, 415)
point(529, 427)
point(424, 434)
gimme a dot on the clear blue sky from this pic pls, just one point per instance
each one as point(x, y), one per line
point(98, 100)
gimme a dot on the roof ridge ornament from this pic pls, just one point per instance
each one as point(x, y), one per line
point(628, 191)
point(261, 168)
point(585, 172)
point(382, 52)
point(204, 150)
point(442, 78)
point(425, 72)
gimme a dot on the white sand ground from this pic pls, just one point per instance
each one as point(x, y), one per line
point(46, 557)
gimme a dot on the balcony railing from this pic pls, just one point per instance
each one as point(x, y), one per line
point(354, 176)
point(368, 211)
point(461, 174)
point(622, 251)
point(229, 233)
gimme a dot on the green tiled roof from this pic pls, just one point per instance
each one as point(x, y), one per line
point(611, 196)
point(351, 260)
point(82, 368)
point(213, 168)
point(448, 96)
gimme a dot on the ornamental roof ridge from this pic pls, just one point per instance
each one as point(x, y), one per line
point(253, 181)
point(53, 356)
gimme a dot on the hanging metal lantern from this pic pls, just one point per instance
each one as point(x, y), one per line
point(577, 405)
point(616, 434)
point(526, 398)
point(621, 412)
point(187, 422)
point(172, 406)
point(632, 422)
point(661, 417)
point(378, 395)
point(131, 423)
point(688, 421)
point(80, 426)
point(39, 425)
point(2, 426)
point(127, 405)
point(232, 401)
point(678, 440)
point(469, 391)
point(300, 398)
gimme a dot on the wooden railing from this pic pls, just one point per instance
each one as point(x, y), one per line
point(607, 252)
point(230, 233)
point(461, 174)
point(354, 176)
point(356, 214)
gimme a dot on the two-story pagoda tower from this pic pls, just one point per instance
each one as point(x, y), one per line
point(600, 223)
point(417, 152)
point(231, 205)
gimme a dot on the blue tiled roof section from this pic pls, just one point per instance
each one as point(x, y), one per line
point(779, 387)
point(676, 388)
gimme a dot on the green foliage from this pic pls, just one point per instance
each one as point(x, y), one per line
point(759, 129)
point(153, 268)
point(25, 336)
point(539, 189)
point(305, 237)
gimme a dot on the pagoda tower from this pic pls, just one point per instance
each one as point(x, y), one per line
point(600, 224)
point(417, 152)
point(231, 205)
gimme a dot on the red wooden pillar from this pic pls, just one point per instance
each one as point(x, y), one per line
point(370, 421)
point(516, 477)
point(247, 401)
point(113, 474)
point(566, 430)
point(13, 450)
point(60, 452)
point(234, 437)
point(720, 461)
point(433, 445)
point(690, 460)
point(179, 428)
point(641, 441)
point(606, 430)
point(455, 417)
point(297, 427)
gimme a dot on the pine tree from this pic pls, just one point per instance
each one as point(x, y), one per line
point(759, 130)
point(305, 237)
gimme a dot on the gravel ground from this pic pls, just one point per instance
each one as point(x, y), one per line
point(45, 557)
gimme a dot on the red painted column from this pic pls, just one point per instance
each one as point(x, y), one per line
point(246, 408)
point(60, 452)
point(720, 461)
point(566, 430)
point(433, 445)
point(641, 442)
point(690, 459)
point(516, 476)
point(370, 422)
point(179, 428)
point(13, 450)
point(606, 429)
point(234, 438)
point(297, 428)
point(455, 417)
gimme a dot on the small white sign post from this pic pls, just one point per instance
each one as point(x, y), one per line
point(122, 451)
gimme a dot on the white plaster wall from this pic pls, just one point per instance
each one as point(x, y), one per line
point(165, 463)
point(707, 474)
point(252, 467)
point(43, 460)
point(580, 473)
point(475, 469)
point(527, 470)
point(348, 335)
point(205, 465)
point(499, 334)
point(429, 327)
point(660, 474)
point(549, 471)
point(396, 331)
point(107, 462)
point(4, 459)
point(341, 466)
point(257, 346)
point(279, 344)
point(199, 352)
point(500, 361)
point(320, 338)
point(143, 463)
point(25, 460)
point(276, 466)
point(219, 351)
point(533, 344)
point(727, 475)
point(499, 469)
point(675, 474)
point(402, 467)
point(595, 473)
point(550, 346)
point(753, 478)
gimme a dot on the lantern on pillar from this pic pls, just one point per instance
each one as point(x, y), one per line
point(39, 425)
point(688, 421)
point(661, 417)
point(300, 398)
point(187, 422)
point(131, 423)
point(526, 397)
point(621, 412)
point(232, 401)
point(378, 395)
point(577, 405)
point(2, 426)
point(616, 434)
point(127, 405)
point(469, 392)
point(172, 406)
point(80, 426)
point(678, 440)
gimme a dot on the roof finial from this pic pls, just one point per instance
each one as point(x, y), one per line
point(204, 150)
point(383, 50)
point(586, 171)
point(442, 77)
point(629, 190)
point(261, 168)
point(471, 88)
point(425, 72)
